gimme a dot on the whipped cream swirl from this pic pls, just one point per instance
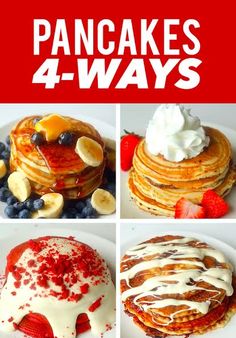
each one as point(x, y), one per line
point(175, 134)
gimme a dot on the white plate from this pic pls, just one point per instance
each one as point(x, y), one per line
point(105, 130)
point(129, 329)
point(21, 233)
point(129, 208)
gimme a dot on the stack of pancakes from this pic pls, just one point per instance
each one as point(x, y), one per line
point(53, 167)
point(157, 184)
point(172, 285)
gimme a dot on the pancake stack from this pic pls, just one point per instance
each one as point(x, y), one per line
point(174, 285)
point(156, 184)
point(53, 167)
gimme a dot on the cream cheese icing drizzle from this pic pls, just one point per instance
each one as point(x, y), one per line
point(60, 313)
point(178, 281)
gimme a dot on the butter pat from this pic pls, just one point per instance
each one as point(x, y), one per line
point(52, 126)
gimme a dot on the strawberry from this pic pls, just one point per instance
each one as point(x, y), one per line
point(127, 146)
point(186, 209)
point(37, 326)
point(214, 205)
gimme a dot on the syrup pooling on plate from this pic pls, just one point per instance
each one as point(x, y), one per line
point(178, 281)
point(59, 278)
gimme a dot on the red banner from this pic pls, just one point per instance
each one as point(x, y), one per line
point(156, 51)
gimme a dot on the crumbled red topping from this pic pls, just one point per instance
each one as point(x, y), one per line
point(10, 319)
point(35, 246)
point(95, 305)
point(64, 270)
point(84, 288)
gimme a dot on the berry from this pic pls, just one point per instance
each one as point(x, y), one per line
point(79, 206)
point(110, 175)
point(37, 139)
point(186, 209)
point(2, 147)
point(8, 140)
point(10, 211)
point(66, 138)
point(65, 215)
point(214, 205)
point(11, 200)
point(4, 194)
point(25, 213)
point(19, 206)
point(127, 146)
point(5, 155)
point(38, 204)
point(88, 212)
point(111, 187)
point(29, 204)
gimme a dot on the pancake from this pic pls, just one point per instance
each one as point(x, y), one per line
point(157, 184)
point(56, 287)
point(52, 167)
point(173, 285)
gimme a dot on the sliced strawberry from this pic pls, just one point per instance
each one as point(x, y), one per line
point(186, 209)
point(37, 326)
point(214, 205)
point(127, 146)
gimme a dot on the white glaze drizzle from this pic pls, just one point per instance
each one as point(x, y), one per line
point(177, 281)
point(61, 314)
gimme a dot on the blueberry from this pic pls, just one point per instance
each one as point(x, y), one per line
point(2, 147)
point(4, 194)
point(91, 216)
point(10, 211)
point(111, 187)
point(24, 213)
point(36, 119)
point(66, 138)
point(29, 204)
point(66, 214)
point(88, 211)
point(8, 140)
point(38, 204)
point(11, 200)
point(110, 175)
point(37, 139)
point(19, 206)
point(79, 215)
point(80, 206)
point(5, 155)
point(72, 211)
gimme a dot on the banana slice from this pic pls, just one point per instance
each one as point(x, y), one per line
point(89, 151)
point(3, 169)
point(103, 202)
point(53, 205)
point(19, 185)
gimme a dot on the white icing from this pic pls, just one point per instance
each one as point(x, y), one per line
point(175, 134)
point(174, 282)
point(61, 314)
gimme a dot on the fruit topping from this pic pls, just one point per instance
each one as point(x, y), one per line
point(66, 138)
point(90, 151)
point(37, 139)
point(214, 205)
point(103, 201)
point(127, 146)
point(19, 185)
point(3, 169)
point(187, 209)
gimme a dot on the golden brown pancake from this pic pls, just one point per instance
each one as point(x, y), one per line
point(157, 184)
point(52, 167)
point(172, 285)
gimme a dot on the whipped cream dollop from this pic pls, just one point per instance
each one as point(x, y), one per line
point(174, 133)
